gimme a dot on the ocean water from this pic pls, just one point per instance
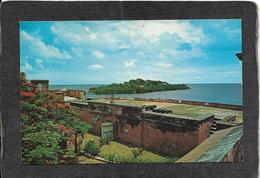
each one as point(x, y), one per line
point(218, 93)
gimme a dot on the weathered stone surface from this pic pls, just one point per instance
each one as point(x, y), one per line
point(223, 146)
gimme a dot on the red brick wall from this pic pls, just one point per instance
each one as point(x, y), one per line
point(128, 133)
point(169, 142)
point(123, 131)
point(132, 127)
point(95, 124)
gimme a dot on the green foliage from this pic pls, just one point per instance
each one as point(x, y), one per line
point(25, 88)
point(32, 110)
point(149, 107)
point(104, 140)
point(92, 148)
point(41, 144)
point(137, 86)
point(172, 159)
point(42, 141)
point(43, 155)
point(136, 152)
point(114, 158)
point(81, 126)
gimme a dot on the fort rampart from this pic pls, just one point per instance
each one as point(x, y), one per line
point(198, 103)
point(164, 133)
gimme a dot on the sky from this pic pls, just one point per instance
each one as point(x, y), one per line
point(104, 52)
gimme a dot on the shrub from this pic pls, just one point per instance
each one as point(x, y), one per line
point(172, 159)
point(92, 148)
point(104, 140)
point(47, 151)
point(136, 152)
point(114, 158)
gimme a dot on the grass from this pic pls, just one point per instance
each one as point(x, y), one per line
point(195, 111)
point(71, 158)
point(126, 151)
point(119, 149)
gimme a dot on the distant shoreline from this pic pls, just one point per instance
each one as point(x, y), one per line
point(173, 83)
point(217, 93)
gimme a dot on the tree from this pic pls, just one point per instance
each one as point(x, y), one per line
point(46, 129)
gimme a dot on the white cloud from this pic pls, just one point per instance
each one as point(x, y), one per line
point(77, 51)
point(159, 50)
point(184, 54)
point(93, 36)
point(39, 63)
point(124, 46)
point(71, 32)
point(79, 34)
point(155, 29)
point(41, 49)
point(27, 67)
point(98, 54)
point(130, 63)
point(163, 65)
point(133, 36)
point(95, 67)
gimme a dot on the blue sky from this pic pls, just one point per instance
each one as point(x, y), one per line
point(103, 52)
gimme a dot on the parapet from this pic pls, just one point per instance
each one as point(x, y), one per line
point(223, 146)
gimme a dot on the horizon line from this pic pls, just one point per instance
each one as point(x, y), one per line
point(170, 83)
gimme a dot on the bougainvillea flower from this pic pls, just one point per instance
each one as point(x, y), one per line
point(27, 94)
point(71, 140)
point(61, 128)
point(68, 131)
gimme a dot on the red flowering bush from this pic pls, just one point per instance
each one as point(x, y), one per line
point(61, 128)
point(68, 131)
point(46, 129)
point(71, 139)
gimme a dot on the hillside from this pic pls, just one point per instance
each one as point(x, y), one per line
point(137, 86)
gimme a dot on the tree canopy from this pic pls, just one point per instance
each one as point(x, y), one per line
point(137, 86)
point(46, 129)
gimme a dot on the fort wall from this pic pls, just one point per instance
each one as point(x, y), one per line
point(165, 133)
point(198, 103)
point(236, 153)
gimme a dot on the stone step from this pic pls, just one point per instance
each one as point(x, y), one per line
point(211, 132)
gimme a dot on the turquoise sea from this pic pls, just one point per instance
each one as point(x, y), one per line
point(218, 93)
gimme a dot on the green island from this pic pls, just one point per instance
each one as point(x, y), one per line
point(137, 86)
